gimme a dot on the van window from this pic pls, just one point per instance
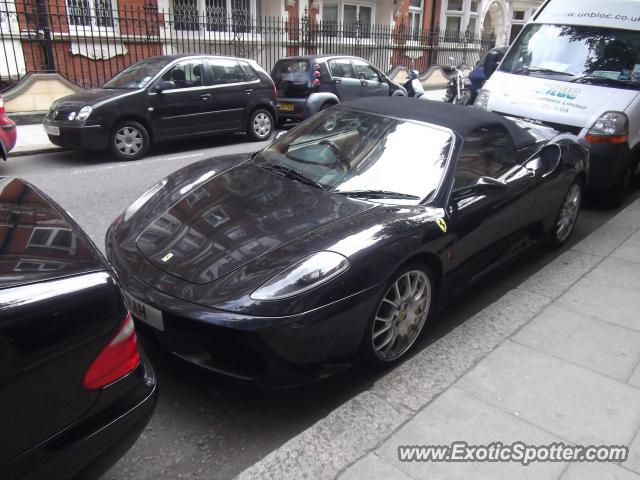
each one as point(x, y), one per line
point(579, 54)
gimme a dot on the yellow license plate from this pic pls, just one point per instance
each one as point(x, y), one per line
point(288, 107)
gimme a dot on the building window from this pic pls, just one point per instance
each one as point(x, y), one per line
point(471, 28)
point(213, 15)
point(453, 25)
point(515, 30)
point(474, 6)
point(455, 5)
point(518, 14)
point(414, 18)
point(356, 19)
point(87, 13)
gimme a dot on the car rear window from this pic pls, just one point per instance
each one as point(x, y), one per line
point(291, 71)
point(226, 71)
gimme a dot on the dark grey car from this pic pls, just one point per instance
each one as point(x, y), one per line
point(307, 84)
point(165, 98)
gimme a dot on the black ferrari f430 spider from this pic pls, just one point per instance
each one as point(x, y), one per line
point(338, 240)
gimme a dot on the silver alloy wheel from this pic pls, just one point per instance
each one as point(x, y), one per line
point(401, 315)
point(262, 124)
point(129, 141)
point(568, 212)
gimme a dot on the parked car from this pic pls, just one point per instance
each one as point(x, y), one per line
point(164, 98)
point(307, 84)
point(340, 238)
point(75, 391)
point(477, 76)
point(8, 132)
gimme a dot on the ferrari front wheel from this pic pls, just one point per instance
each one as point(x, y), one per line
point(400, 315)
point(568, 214)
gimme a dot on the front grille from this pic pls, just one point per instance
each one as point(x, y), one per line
point(59, 114)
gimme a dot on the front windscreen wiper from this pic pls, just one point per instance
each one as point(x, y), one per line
point(377, 194)
point(542, 70)
point(596, 79)
point(292, 173)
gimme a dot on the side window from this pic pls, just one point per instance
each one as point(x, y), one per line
point(226, 71)
point(249, 72)
point(487, 152)
point(366, 71)
point(341, 67)
point(185, 74)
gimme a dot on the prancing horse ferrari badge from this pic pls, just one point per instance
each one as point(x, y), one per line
point(442, 224)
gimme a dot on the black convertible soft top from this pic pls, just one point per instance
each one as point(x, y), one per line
point(462, 120)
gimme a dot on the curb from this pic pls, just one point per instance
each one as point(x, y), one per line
point(350, 432)
point(35, 151)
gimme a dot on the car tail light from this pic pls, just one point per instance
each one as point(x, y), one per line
point(316, 82)
point(117, 359)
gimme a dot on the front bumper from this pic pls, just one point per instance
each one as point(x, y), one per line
point(90, 447)
point(286, 350)
point(608, 163)
point(78, 137)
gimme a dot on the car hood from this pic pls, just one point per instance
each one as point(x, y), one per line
point(38, 241)
point(234, 218)
point(90, 97)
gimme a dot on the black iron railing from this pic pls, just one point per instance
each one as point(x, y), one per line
point(89, 41)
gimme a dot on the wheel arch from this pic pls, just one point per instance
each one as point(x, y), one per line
point(432, 261)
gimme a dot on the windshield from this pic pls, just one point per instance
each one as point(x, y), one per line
point(583, 54)
point(353, 152)
point(137, 75)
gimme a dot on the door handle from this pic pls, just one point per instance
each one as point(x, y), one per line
point(364, 82)
point(248, 91)
point(337, 80)
point(205, 96)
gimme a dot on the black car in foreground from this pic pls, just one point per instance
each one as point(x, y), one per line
point(75, 392)
point(307, 84)
point(166, 98)
point(340, 238)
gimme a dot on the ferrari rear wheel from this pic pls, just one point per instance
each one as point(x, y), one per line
point(568, 214)
point(400, 315)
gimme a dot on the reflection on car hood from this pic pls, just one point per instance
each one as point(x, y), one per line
point(234, 218)
point(38, 242)
point(90, 97)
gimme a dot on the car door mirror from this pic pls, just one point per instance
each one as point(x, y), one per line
point(163, 85)
point(482, 186)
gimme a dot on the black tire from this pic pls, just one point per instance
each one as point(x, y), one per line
point(465, 97)
point(559, 236)
point(261, 125)
point(129, 136)
point(615, 196)
point(370, 344)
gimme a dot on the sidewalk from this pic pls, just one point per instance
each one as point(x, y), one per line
point(31, 140)
point(557, 359)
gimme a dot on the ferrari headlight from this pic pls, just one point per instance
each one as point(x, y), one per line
point(308, 273)
point(482, 99)
point(84, 113)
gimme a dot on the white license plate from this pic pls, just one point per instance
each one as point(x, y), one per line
point(146, 313)
point(51, 130)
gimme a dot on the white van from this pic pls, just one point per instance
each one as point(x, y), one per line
point(576, 67)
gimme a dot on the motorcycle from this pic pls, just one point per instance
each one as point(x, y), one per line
point(413, 86)
point(458, 91)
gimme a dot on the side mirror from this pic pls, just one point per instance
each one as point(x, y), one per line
point(491, 62)
point(483, 186)
point(163, 85)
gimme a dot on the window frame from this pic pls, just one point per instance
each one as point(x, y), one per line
point(201, 16)
point(92, 26)
point(339, 27)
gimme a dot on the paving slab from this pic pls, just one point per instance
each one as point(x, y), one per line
point(635, 377)
point(599, 346)
point(555, 278)
point(595, 298)
point(321, 452)
point(598, 471)
point(633, 462)
point(604, 241)
point(415, 382)
point(617, 273)
point(574, 403)
point(458, 416)
point(629, 216)
point(372, 467)
point(630, 249)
